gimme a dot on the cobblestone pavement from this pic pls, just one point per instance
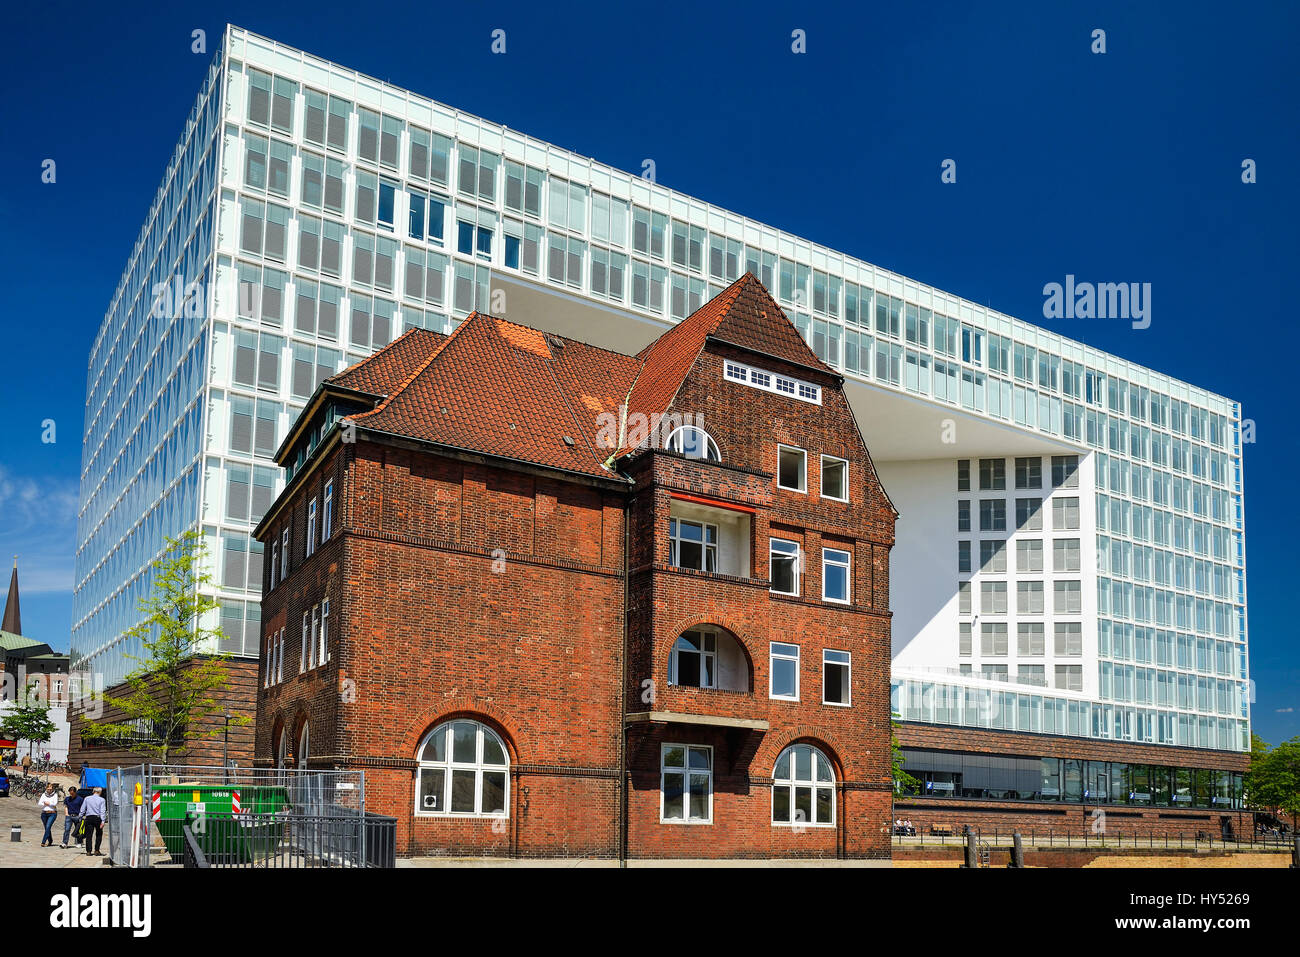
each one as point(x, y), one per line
point(28, 852)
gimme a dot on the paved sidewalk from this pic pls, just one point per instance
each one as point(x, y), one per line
point(28, 851)
point(584, 863)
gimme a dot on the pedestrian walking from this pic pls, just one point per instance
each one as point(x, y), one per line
point(93, 811)
point(72, 816)
point(27, 764)
point(49, 802)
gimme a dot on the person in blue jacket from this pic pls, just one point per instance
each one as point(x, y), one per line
point(73, 805)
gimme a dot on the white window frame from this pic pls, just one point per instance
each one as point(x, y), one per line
point(846, 663)
point(311, 526)
point(306, 642)
point(284, 554)
point(798, 562)
point(327, 512)
point(847, 565)
point(673, 444)
point(675, 538)
point(312, 660)
point(478, 766)
point(687, 773)
point(792, 782)
point(822, 467)
point(674, 669)
point(772, 657)
point(275, 562)
point(803, 471)
point(755, 378)
point(279, 662)
point(323, 648)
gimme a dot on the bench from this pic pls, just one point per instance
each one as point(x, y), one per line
point(941, 830)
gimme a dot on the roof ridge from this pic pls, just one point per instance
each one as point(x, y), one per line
point(383, 404)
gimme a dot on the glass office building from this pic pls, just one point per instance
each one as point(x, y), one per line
point(1070, 555)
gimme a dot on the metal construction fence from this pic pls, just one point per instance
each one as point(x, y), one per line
point(246, 817)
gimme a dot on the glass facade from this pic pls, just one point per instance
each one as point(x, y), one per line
point(330, 211)
point(1006, 778)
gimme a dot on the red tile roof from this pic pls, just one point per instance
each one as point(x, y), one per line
point(498, 388)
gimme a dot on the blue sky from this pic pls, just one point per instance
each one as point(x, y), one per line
point(1117, 167)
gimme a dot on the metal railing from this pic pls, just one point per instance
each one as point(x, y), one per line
point(286, 839)
point(1085, 836)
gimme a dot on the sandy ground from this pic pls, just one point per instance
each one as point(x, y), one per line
point(1232, 860)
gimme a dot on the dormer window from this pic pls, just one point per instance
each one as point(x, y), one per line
point(694, 443)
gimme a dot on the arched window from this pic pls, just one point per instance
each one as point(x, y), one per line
point(694, 443)
point(803, 788)
point(303, 742)
point(464, 772)
point(282, 747)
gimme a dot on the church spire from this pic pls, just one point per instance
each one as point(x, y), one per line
point(13, 620)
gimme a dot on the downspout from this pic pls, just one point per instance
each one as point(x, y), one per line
point(622, 708)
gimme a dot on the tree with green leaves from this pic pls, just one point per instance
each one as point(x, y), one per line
point(171, 693)
point(30, 720)
point(904, 783)
point(1273, 782)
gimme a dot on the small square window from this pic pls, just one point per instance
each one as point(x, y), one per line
point(835, 479)
point(792, 469)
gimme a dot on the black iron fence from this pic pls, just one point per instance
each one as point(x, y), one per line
point(284, 839)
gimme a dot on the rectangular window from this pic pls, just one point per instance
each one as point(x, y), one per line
point(1029, 514)
point(284, 554)
point(993, 515)
point(993, 598)
point(1029, 556)
point(963, 639)
point(311, 526)
point(1029, 639)
point(327, 512)
point(312, 660)
point(993, 475)
point(784, 671)
point(1068, 639)
point(963, 557)
point(305, 644)
point(1065, 471)
point(1065, 555)
point(963, 475)
point(783, 557)
point(323, 649)
point(963, 598)
point(792, 469)
point(1069, 677)
point(1068, 599)
point(686, 784)
point(1065, 513)
point(963, 515)
point(993, 557)
point(835, 479)
point(693, 545)
point(1029, 598)
point(835, 575)
point(837, 670)
point(993, 639)
point(1029, 472)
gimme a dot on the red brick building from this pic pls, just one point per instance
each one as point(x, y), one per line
point(556, 600)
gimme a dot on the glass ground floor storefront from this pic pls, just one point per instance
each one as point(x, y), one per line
point(950, 774)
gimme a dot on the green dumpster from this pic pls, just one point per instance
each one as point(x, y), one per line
point(226, 838)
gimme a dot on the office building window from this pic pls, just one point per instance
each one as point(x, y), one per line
point(1065, 513)
point(1029, 472)
point(1065, 471)
point(1029, 598)
point(993, 557)
point(963, 475)
point(993, 515)
point(963, 515)
point(1029, 555)
point(993, 598)
point(963, 557)
point(1065, 555)
point(1068, 639)
point(993, 475)
point(993, 639)
point(1029, 639)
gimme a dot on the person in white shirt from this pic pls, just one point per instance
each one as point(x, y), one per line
point(93, 811)
point(49, 802)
